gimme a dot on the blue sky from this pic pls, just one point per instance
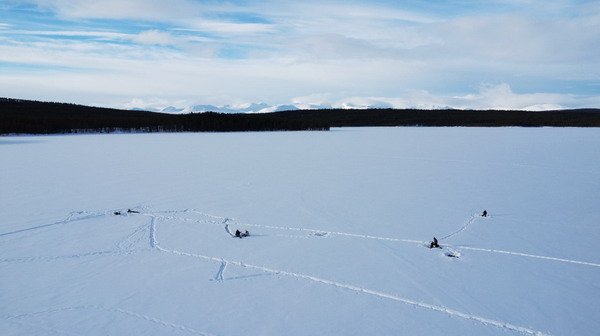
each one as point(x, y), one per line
point(148, 53)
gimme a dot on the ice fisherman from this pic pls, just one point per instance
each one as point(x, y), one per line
point(240, 234)
point(434, 243)
point(484, 214)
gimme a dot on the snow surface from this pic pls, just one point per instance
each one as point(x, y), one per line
point(339, 221)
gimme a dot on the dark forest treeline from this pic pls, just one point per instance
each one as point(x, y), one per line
point(450, 117)
point(33, 117)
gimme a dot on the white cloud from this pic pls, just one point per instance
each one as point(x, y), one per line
point(121, 71)
point(69, 33)
point(118, 9)
point(152, 104)
point(154, 37)
point(186, 13)
point(229, 27)
point(499, 97)
point(517, 38)
point(298, 49)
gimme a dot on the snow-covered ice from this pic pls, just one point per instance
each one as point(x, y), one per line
point(339, 225)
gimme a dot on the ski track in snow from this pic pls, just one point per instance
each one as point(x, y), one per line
point(128, 243)
point(441, 309)
point(324, 233)
point(219, 276)
point(229, 231)
point(464, 227)
point(114, 310)
point(471, 220)
point(527, 255)
point(67, 220)
point(152, 232)
point(151, 227)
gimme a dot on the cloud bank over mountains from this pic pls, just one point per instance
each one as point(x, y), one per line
point(154, 54)
point(495, 97)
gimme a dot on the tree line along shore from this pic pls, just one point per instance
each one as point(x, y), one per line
point(19, 116)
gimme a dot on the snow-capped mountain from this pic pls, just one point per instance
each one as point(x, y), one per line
point(243, 108)
point(279, 108)
point(172, 109)
point(267, 108)
point(204, 108)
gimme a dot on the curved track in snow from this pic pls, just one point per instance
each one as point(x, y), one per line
point(455, 313)
point(322, 233)
point(464, 227)
point(155, 218)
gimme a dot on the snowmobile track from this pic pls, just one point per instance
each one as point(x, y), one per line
point(519, 254)
point(319, 234)
point(464, 227)
point(154, 244)
point(127, 243)
point(441, 309)
point(67, 220)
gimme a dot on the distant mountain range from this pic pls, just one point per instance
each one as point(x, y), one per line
point(34, 117)
point(263, 108)
point(241, 108)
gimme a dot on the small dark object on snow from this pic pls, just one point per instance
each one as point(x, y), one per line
point(132, 211)
point(241, 234)
point(484, 214)
point(434, 243)
point(117, 213)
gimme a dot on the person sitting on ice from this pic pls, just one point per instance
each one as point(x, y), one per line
point(238, 234)
point(245, 234)
point(484, 214)
point(434, 243)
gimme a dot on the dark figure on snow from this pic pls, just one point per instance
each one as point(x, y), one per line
point(238, 234)
point(484, 214)
point(434, 243)
point(132, 211)
point(245, 234)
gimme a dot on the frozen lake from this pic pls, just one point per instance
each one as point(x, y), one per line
point(338, 220)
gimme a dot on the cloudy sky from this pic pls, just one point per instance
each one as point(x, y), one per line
point(527, 54)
